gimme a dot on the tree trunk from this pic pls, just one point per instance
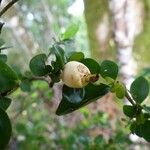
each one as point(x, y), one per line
point(127, 23)
point(97, 20)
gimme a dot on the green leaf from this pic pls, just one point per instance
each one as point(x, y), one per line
point(70, 32)
point(140, 118)
point(142, 130)
point(73, 99)
point(146, 115)
point(129, 110)
point(38, 66)
point(60, 57)
point(93, 66)
point(25, 86)
point(76, 56)
point(4, 103)
point(109, 69)
point(5, 129)
point(136, 129)
point(146, 130)
point(8, 78)
point(3, 57)
point(139, 89)
point(120, 90)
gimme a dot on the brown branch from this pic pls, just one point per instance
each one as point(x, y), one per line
point(7, 7)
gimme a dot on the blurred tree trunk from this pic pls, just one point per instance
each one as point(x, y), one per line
point(127, 23)
point(99, 31)
point(97, 20)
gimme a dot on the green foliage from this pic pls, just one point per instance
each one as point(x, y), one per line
point(93, 66)
point(142, 130)
point(119, 89)
point(38, 66)
point(25, 85)
point(70, 32)
point(5, 129)
point(5, 103)
point(8, 78)
point(139, 89)
point(109, 69)
point(74, 99)
point(60, 58)
point(76, 56)
point(129, 110)
point(3, 58)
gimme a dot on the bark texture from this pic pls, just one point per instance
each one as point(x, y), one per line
point(127, 23)
point(97, 20)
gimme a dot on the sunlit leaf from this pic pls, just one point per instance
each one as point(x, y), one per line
point(76, 56)
point(120, 90)
point(70, 32)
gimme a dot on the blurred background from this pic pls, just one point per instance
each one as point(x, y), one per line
point(109, 29)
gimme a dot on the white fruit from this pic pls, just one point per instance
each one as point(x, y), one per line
point(75, 74)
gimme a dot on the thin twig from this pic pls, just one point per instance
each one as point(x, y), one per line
point(129, 98)
point(7, 7)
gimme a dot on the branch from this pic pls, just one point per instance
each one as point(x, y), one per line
point(7, 7)
point(129, 98)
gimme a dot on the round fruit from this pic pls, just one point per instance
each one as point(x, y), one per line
point(75, 74)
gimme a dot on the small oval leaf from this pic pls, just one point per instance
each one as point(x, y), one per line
point(139, 89)
point(76, 56)
point(5, 129)
point(120, 90)
point(70, 32)
point(38, 66)
point(93, 66)
point(109, 69)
